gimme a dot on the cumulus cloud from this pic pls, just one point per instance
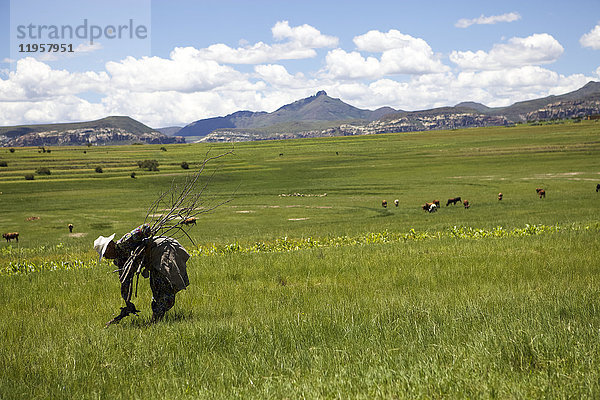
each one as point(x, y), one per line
point(400, 54)
point(535, 49)
point(483, 20)
point(592, 38)
point(277, 75)
point(35, 80)
point(68, 108)
point(185, 71)
point(378, 42)
point(305, 35)
point(301, 43)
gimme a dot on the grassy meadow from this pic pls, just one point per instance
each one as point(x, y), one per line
point(315, 296)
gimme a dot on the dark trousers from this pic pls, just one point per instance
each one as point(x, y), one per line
point(163, 295)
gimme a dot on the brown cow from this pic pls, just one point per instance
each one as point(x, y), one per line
point(541, 192)
point(437, 203)
point(10, 236)
point(189, 221)
point(454, 200)
point(499, 196)
point(466, 204)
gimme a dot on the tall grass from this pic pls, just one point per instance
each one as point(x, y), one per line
point(511, 317)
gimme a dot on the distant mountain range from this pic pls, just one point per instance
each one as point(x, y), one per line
point(314, 116)
point(312, 112)
point(109, 130)
point(321, 115)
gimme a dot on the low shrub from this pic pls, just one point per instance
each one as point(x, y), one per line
point(28, 177)
point(150, 165)
point(99, 170)
point(3, 164)
point(43, 171)
point(185, 165)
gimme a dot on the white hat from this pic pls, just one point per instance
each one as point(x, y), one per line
point(101, 244)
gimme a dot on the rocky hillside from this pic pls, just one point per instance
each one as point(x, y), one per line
point(110, 130)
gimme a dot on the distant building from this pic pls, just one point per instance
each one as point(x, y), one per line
point(593, 116)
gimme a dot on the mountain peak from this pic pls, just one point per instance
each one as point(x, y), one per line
point(321, 93)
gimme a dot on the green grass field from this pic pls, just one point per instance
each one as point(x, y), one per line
point(316, 296)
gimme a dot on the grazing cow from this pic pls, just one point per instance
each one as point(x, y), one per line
point(70, 226)
point(598, 188)
point(396, 202)
point(499, 196)
point(466, 204)
point(384, 204)
point(454, 201)
point(541, 192)
point(10, 236)
point(437, 203)
point(189, 221)
point(429, 207)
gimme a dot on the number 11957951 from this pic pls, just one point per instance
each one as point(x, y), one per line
point(45, 47)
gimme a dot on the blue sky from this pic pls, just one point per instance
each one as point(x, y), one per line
point(199, 59)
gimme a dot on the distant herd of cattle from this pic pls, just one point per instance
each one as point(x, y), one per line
point(429, 207)
point(435, 204)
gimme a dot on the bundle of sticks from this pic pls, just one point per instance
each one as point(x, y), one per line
point(175, 210)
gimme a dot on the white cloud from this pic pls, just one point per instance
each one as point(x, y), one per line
point(378, 42)
point(305, 34)
point(184, 71)
point(400, 54)
point(277, 75)
point(59, 109)
point(592, 38)
point(483, 20)
point(535, 49)
point(301, 43)
point(35, 80)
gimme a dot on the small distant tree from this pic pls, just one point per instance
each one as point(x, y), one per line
point(29, 177)
point(185, 165)
point(3, 164)
point(150, 165)
point(133, 175)
point(11, 150)
point(99, 170)
point(163, 148)
point(43, 171)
